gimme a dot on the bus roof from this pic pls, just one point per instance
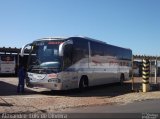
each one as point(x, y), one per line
point(90, 39)
point(84, 37)
point(63, 38)
point(51, 38)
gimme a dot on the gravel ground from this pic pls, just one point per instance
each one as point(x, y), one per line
point(43, 100)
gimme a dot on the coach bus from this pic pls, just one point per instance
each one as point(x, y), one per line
point(75, 62)
point(7, 64)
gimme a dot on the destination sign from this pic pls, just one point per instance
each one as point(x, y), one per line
point(55, 42)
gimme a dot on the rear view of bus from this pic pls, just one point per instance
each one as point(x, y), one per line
point(7, 64)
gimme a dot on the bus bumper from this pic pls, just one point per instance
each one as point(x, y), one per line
point(52, 86)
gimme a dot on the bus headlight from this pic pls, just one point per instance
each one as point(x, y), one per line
point(55, 80)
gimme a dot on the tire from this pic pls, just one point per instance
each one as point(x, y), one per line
point(122, 79)
point(83, 84)
point(28, 84)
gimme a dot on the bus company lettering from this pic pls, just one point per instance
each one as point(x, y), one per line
point(120, 63)
point(55, 43)
point(52, 75)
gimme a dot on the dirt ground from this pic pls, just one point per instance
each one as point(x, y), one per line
point(45, 101)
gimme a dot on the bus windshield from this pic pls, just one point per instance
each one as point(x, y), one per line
point(45, 55)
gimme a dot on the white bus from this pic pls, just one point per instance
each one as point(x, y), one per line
point(75, 62)
point(7, 64)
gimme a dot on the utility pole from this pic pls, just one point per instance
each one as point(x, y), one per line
point(156, 70)
point(132, 74)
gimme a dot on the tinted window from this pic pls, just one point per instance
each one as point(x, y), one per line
point(68, 51)
point(97, 49)
point(7, 58)
point(118, 52)
point(80, 49)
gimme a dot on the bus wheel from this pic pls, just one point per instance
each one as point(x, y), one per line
point(83, 83)
point(122, 79)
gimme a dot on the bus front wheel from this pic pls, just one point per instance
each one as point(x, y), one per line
point(122, 79)
point(83, 83)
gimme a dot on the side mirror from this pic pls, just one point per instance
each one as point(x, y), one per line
point(61, 47)
point(23, 48)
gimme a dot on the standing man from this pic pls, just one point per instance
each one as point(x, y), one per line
point(21, 77)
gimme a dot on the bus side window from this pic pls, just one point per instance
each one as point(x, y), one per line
point(67, 56)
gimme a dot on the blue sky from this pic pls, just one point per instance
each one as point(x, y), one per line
point(133, 24)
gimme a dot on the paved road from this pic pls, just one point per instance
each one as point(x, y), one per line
point(149, 109)
point(151, 106)
point(42, 100)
